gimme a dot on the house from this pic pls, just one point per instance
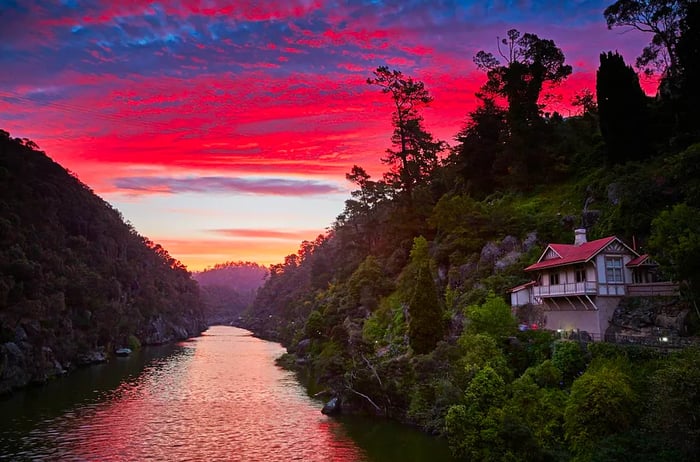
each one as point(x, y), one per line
point(579, 285)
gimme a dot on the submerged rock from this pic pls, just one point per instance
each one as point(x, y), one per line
point(332, 406)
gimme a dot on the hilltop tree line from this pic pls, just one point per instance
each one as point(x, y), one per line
point(228, 288)
point(76, 281)
point(399, 309)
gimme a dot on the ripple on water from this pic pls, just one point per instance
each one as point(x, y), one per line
point(216, 398)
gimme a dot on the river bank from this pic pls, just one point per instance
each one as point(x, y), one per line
point(215, 397)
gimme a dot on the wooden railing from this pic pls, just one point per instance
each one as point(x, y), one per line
point(653, 289)
point(559, 290)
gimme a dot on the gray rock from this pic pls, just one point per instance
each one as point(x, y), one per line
point(331, 407)
point(303, 345)
point(20, 334)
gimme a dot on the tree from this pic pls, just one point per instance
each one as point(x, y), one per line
point(675, 243)
point(419, 294)
point(530, 62)
point(361, 211)
point(416, 151)
point(478, 154)
point(662, 19)
point(688, 50)
point(474, 428)
point(622, 110)
point(493, 317)
point(602, 403)
point(675, 402)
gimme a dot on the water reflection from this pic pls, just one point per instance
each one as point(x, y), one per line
point(216, 398)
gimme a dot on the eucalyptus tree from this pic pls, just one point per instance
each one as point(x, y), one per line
point(661, 18)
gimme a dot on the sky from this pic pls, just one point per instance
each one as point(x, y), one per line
point(223, 130)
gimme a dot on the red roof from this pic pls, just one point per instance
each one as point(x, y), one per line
point(641, 260)
point(569, 254)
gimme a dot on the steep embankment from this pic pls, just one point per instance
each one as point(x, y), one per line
point(75, 280)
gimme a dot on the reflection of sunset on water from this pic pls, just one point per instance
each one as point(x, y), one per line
point(218, 398)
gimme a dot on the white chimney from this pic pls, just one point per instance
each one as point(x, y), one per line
point(580, 236)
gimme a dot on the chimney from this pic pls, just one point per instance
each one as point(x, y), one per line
point(580, 236)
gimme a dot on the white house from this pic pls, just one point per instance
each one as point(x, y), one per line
point(579, 285)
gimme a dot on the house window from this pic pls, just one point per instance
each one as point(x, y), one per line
point(613, 269)
point(580, 273)
point(554, 279)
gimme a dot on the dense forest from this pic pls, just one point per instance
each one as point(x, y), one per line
point(400, 309)
point(227, 289)
point(76, 282)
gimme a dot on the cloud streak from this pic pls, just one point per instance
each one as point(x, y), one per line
point(214, 184)
point(274, 234)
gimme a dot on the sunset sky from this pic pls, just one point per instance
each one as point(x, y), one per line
point(223, 130)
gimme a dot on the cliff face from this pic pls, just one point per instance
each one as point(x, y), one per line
point(76, 282)
point(657, 321)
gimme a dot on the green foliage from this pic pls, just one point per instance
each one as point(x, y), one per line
point(417, 290)
point(493, 317)
point(570, 358)
point(473, 428)
point(675, 243)
point(602, 403)
point(368, 283)
point(133, 342)
point(540, 410)
point(479, 351)
point(314, 326)
point(74, 277)
point(674, 407)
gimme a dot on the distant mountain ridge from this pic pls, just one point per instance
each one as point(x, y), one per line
point(228, 288)
point(76, 282)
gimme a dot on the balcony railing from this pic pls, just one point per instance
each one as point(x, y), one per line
point(562, 290)
point(653, 289)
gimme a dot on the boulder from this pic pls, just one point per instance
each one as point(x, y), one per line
point(332, 406)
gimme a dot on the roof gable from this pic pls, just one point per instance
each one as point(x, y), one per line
point(569, 254)
point(642, 260)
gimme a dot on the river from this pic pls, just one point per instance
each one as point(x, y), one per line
point(218, 397)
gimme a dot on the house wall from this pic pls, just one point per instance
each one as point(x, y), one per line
point(521, 297)
point(594, 322)
point(567, 274)
point(606, 309)
point(571, 320)
point(613, 289)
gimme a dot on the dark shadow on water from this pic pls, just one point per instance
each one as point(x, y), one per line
point(387, 441)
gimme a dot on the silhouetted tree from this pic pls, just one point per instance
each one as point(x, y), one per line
point(622, 108)
point(530, 62)
point(658, 17)
point(478, 154)
point(688, 50)
point(416, 151)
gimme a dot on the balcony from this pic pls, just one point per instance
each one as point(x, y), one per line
point(564, 290)
point(653, 289)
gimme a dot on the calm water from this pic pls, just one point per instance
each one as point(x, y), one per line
point(217, 397)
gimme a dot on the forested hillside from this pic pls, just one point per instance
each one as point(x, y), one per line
point(76, 282)
point(401, 308)
point(228, 288)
